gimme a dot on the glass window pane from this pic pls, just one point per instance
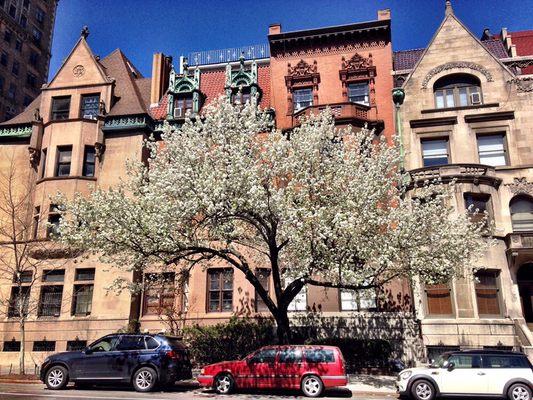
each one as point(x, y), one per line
point(439, 98)
point(302, 98)
point(449, 99)
point(491, 150)
point(358, 93)
point(463, 96)
point(348, 300)
point(435, 152)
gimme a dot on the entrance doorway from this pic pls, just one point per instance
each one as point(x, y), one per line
point(525, 287)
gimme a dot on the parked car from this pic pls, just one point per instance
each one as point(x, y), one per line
point(493, 373)
point(142, 360)
point(309, 368)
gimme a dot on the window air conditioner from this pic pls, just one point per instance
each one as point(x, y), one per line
point(475, 98)
point(178, 112)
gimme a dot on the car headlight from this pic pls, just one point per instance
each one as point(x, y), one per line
point(202, 371)
point(406, 374)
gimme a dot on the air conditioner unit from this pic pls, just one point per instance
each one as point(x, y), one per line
point(179, 112)
point(475, 98)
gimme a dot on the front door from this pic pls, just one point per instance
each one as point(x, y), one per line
point(97, 361)
point(466, 376)
point(525, 288)
point(262, 367)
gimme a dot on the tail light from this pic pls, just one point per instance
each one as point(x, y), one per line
point(174, 355)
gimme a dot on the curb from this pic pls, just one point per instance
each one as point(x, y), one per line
point(28, 381)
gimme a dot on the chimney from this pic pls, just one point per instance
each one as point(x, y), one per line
point(274, 29)
point(161, 66)
point(384, 14)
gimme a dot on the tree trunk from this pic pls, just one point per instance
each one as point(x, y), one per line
point(22, 328)
point(283, 327)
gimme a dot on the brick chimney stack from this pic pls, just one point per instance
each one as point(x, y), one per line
point(161, 66)
point(274, 29)
point(384, 14)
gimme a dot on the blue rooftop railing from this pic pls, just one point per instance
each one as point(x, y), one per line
point(252, 52)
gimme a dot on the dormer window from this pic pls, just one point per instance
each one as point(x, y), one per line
point(457, 90)
point(182, 106)
point(241, 96)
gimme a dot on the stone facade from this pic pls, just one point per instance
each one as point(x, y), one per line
point(503, 114)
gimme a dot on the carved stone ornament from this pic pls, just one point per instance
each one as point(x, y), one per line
point(521, 185)
point(302, 69)
point(523, 84)
point(35, 156)
point(456, 65)
point(78, 71)
point(357, 62)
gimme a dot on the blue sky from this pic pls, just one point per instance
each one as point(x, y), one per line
point(143, 27)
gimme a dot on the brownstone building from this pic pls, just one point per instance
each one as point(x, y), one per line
point(26, 28)
point(467, 118)
point(94, 115)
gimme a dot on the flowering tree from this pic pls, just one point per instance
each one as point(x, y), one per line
point(320, 206)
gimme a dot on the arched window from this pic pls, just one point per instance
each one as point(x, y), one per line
point(457, 90)
point(522, 213)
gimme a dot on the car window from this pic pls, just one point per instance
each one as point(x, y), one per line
point(464, 361)
point(319, 356)
point(131, 343)
point(290, 356)
point(151, 343)
point(497, 361)
point(105, 344)
point(264, 356)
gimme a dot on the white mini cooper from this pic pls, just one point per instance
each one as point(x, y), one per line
point(486, 373)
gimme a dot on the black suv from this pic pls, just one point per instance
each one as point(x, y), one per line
point(142, 360)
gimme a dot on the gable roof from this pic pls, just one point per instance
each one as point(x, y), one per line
point(450, 15)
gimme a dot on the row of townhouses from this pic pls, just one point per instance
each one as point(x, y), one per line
point(462, 107)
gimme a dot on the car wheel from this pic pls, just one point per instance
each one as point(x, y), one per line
point(144, 379)
point(423, 390)
point(519, 391)
point(56, 377)
point(224, 384)
point(312, 386)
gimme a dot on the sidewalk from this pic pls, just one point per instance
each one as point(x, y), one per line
point(377, 384)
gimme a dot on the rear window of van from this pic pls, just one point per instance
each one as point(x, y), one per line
point(319, 356)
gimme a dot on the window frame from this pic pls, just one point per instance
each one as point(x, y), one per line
point(503, 134)
point(220, 290)
point(86, 164)
point(435, 139)
point(498, 289)
point(76, 292)
point(63, 113)
point(366, 84)
point(83, 108)
point(455, 89)
point(428, 313)
point(59, 150)
point(163, 288)
point(262, 273)
point(480, 197)
point(53, 289)
point(294, 96)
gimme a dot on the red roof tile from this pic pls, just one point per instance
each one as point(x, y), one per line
point(212, 84)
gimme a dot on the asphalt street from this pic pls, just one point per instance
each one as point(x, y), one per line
point(13, 391)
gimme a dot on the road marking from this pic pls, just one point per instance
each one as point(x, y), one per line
point(74, 396)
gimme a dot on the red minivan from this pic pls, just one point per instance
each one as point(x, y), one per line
point(309, 368)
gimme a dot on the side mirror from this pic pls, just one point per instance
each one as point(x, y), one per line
point(450, 366)
point(88, 351)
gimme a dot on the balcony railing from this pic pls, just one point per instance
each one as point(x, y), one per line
point(471, 173)
point(520, 240)
point(341, 111)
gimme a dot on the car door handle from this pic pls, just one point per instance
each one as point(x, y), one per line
point(481, 373)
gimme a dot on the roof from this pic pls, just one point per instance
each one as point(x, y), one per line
point(212, 82)
point(129, 99)
point(523, 41)
point(407, 59)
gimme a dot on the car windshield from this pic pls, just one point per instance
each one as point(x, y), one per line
point(440, 362)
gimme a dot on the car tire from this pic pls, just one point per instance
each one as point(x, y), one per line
point(423, 390)
point(312, 386)
point(144, 379)
point(519, 391)
point(224, 384)
point(56, 377)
